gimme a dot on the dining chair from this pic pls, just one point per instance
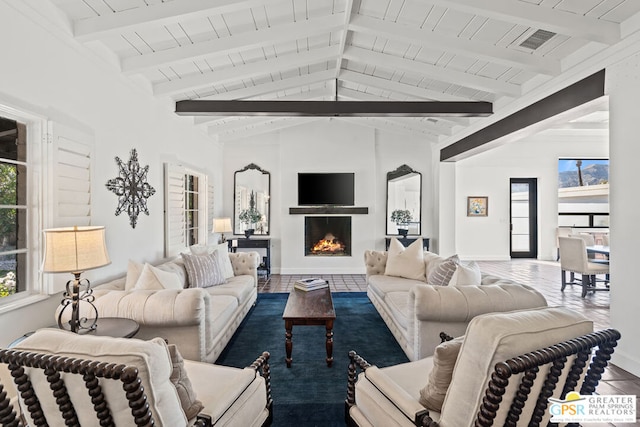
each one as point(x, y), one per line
point(574, 259)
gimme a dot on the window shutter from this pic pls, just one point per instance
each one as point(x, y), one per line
point(174, 220)
point(70, 179)
point(209, 210)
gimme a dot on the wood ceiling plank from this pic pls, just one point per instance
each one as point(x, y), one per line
point(465, 47)
point(393, 86)
point(233, 44)
point(558, 21)
point(245, 71)
point(438, 73)
point(156, 14)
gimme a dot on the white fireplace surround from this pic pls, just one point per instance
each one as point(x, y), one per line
point(340, 146)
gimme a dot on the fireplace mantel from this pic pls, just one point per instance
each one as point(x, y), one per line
point(328, 210)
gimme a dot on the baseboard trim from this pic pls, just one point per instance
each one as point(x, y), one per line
point(628, 362)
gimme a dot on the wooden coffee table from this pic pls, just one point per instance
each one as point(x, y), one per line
point(309, 308)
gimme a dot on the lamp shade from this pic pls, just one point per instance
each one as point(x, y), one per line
point(74, 249)
point(222, 225)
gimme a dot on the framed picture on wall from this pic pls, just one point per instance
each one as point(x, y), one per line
point(477, 205)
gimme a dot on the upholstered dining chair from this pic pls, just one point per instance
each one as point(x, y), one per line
point(503, 371)
point(62, 378)
point(574, 259)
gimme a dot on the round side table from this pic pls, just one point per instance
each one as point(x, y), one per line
point(116, 327)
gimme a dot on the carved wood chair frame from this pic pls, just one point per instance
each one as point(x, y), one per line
point(92, 372)
point(529, 364)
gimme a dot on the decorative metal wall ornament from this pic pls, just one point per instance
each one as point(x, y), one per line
point(132, 188)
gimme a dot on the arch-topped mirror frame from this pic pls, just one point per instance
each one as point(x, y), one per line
point(404, 197)
point(251, 200)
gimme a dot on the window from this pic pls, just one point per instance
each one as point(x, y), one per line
point(186, 208)
point(13, 208)
point(191, 209)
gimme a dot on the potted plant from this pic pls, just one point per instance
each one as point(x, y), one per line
point(250, 216)
point(401, 217)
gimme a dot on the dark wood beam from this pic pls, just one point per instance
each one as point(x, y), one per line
point(333, 108)
point(579, 93)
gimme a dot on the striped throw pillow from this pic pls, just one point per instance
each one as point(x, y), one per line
point(442, 274)
point(203, 270)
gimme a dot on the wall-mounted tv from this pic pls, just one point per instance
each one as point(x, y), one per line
point(318, 189)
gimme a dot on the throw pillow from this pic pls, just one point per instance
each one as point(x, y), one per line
point(152, 278)
point(405, 262)
point(203, 270)
point(444, 360)
point(133, 274)
point(467, 275)
point(181, 381)
point(224, 260)
point(442, 274)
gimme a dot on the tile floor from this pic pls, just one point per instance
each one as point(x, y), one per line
point(542, 275)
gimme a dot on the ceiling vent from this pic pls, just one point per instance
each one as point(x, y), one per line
point(537, 39)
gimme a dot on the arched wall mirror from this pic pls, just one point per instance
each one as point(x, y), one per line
point(404, 201)
point(252, 190)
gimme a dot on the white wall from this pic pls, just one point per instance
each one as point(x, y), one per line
point(45, 72)
point(328, 145)
point(488, 174)
point(623, 87)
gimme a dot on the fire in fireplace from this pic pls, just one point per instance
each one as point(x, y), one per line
point(327, 235)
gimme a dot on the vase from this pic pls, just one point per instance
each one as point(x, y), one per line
point(403, 231)
point(248, 232)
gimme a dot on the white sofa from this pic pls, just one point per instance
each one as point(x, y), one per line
point(200, 321)
point(416, 312)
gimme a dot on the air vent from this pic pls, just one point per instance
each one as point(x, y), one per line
point(537, 39)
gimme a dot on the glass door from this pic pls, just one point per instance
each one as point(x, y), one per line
point(524, 218)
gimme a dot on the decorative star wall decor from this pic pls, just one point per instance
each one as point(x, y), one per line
point(132, 188)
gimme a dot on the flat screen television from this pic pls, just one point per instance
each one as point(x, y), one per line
point(318, 189)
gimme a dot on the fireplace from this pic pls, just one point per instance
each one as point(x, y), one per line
point(327, 236)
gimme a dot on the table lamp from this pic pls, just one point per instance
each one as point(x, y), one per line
point(75, 250)
point(222, 225)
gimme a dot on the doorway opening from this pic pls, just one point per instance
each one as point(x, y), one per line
point(524, 218)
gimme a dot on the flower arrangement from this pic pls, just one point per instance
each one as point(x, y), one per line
point(401, 216)
point(8, 284)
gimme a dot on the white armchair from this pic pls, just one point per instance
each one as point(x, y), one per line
point(574, 259)
point(69, 379)
point(492, 378)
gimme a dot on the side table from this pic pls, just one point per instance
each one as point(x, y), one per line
point(116, 327)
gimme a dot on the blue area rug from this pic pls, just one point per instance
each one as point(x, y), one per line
point(310, 393)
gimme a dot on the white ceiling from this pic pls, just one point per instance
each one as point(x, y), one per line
point(372, 50)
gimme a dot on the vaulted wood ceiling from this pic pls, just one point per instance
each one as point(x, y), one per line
point(499, 51)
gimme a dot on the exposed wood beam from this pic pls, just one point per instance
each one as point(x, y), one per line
point(245, 71)
point(393, 86)
point(437, 128)
point(392, 62)
point(162, 13)
point(355, 95)
point(343, 40)
point(464, 47)
point(577, 94)
point(224, 46)
point(333, 108)
point(309, 95)
point(533, 15)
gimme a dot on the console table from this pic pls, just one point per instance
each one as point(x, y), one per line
point(264, 269)
point(406, 241)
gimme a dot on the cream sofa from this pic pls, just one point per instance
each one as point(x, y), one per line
point(416, 312)
point(200, 321)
